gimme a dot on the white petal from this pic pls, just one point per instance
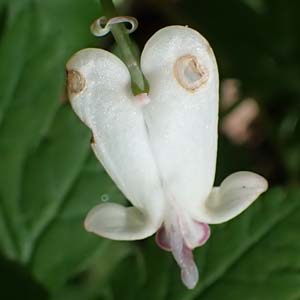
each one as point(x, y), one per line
point(183, 113)
point(235, 194)
point(117, 222)
point(99, 91)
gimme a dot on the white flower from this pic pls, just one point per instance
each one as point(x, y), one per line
point(160, 149)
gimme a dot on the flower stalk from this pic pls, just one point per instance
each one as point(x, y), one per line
point(139, 84)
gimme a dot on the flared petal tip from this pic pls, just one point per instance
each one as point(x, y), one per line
point(236, 193)
point(263, 184)
point(90, 220)
point(252, 185)
point(116, 222)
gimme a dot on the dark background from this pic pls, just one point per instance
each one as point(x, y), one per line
point(50, 179)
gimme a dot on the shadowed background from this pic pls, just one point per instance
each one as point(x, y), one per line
point(50, 179)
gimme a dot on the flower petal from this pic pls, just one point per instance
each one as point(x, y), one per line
point(234, 195)
point(99, 92)
point(194, 234)
point(114, 221)
point(182, 253)
point(162, 239)
point(183, 113)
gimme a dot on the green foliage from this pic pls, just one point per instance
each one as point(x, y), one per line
point(50, 179)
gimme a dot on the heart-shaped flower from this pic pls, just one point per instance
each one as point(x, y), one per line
point(159, 148)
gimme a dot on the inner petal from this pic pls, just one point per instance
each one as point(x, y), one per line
point(162, 239)
point(184, 258)
point(180, 234)
point(189, 270)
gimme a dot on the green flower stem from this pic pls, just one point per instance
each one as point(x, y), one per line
point(139, 83)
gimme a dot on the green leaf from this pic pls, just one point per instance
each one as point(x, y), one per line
point(15, 275)
point(255, 256)
point(11, 58)
point(49, 178)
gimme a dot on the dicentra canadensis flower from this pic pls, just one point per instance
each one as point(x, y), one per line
point(159, 148)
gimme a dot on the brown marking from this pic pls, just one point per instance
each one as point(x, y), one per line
point(189, 73)
point(75, 82)
point(92, 139)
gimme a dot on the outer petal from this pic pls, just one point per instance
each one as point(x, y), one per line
point(234, 195)
point(183, 114)
point(116, 222)
point(99, 91)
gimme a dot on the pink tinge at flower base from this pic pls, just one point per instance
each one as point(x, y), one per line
point(160, 149)
point(171, 237)
point(142, 99)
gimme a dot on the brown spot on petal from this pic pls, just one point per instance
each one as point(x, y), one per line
point(189, 73)
point(75, 82)
point(92, 139)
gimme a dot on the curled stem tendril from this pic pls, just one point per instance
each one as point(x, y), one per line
point(102, 26)
point(115, 25)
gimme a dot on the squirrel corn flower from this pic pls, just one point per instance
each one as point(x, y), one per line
point(159, 148)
